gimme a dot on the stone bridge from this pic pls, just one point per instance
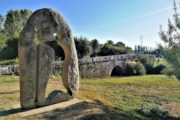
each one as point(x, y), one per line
point(90, 67)
point(104, 66)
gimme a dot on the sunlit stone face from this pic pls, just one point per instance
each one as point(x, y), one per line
point(35, 59)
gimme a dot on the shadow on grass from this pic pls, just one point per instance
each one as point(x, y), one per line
point(84, 111)
point(10, 112)
point(9, 92)
point(156, 113)
point(98, 111)
point(95, 111)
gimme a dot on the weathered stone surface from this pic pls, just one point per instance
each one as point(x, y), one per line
point(56, 97)
point(35, 58)
point(27, 57)
point(45, 58)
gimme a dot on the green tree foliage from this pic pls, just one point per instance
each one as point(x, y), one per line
point(11, 27)
point(1, 22)
point(15, 21)
point(110, 42)
point(171, 38)
point(11, 49)
point(140, 69)
point(136, 68)
point(128, 50)
point(83, 46)
point(158, 69)
point(3, 37)
point(130, 69)
point(95, 47)
point(120, 44)
point(168, 71)
point(86, 48)
point(109, 48)
point(148, 64)
point(142, 49)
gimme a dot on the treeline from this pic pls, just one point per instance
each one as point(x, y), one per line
point(93, 48)
point(10, 28)
point(148, 50)
point(14, 21)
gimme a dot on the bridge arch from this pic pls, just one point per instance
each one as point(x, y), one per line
point(117, 71)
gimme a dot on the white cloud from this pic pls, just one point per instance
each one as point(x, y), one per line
point(155, 12)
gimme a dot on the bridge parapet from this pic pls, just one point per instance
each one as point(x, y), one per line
point(106, 58)
point(95, 65)
point(98, 59)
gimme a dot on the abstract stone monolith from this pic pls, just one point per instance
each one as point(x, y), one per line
point(36, 57)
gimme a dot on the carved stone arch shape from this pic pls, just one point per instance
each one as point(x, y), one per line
point(35, 58)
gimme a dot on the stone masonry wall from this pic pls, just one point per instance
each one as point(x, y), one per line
point(88, 67)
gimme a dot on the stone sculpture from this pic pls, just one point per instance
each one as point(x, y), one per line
point(35, 59)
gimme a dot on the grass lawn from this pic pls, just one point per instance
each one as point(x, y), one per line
point(8, 62)
point(146, 97)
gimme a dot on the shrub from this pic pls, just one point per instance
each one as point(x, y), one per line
point(158, 69)
point(148, 64)
point(147, 61)
point(130, 69)
point(169, 71)
point(177, 73)
point(140, 69)
point(149, 68)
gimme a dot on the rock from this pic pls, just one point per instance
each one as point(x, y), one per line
point(35, 58)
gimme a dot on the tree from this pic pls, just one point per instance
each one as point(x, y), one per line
point(3, 36)
point(3, 39)
point(11, 27)
point(120, 44)
point(1, 22)
point(83, 46)
point(11, 50)
point(171, 38)
point(110, 42)
point(95, 46)
point(15, 21)
point(128, 50)
point(109, 48)
point(136, 49)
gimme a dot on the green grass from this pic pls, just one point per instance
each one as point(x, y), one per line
point(144, 97)
point(146, 81)
point(8, 62)
point(8, 79)
point(132, 94)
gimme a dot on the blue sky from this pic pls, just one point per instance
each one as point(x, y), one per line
point(117, 20)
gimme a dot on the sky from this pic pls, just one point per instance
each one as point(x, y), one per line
point(117, 20)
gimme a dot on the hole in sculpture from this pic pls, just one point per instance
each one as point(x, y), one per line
point(57, 66)
point(59, 53)
point(55, 84)
point(117, 71)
